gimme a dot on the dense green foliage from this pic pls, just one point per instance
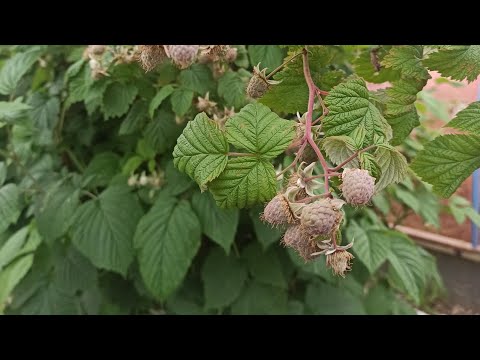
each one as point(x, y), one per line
point(120, 194)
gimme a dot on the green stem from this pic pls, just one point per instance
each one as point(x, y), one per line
point(239, 154)
point(281, 66)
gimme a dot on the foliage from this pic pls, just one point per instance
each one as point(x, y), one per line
point(132, 192)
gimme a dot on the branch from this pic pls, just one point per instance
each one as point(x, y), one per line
point(308, 125)
point(353, 156)
point(294, 162)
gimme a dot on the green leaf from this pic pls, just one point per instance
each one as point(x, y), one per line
point(291, 95)
point(402, 96)
point(117, 99)
point(339, 149)
point(197, 78)
point(456, 62)
point(103, 228)
point(259, 130)
point(55, 212)
point(366, 69)
point(132, 164)
point(162, 132)
point(468, 119)
point(244, 182)
point(407, 59)
point(134, 118)
point(220, 225)
point(269, 56)
point(379, 301)
point(167, 239)
point(367, 162)
point(15, 67)
point(447, 161)
point(12, 247)
point(260, 299)
point(11, 111)
point(232, 88)
point(45, 114)
point(472, 215)
point(3, 172)
point(393, 165)
point(317, 267)
point(402, 126)
point(161, 95)
point(242, 56)
point(74, 272)
point(223, 278)
point(102, 169)
point(181, 101)
point(201, 150)
point(381, 202)
point(408, 198)
point(265, 234)
point(177, 182)
point(369, 248)
point(407, 264)
point(9, 206)
point(350, 107)
point(265, 267)
point(11, 276)
point(324, 299)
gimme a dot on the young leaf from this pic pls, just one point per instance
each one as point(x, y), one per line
point(468, 119)
point(244, 182)
point(201, 150)
point(447, 161)
point(103, 228)
point(117, 99)
point(223, 278)
point(456, 62)
point(220, 225)
point(350, 107)
point(339, 149)
point(393, 165)
point(259, 130)
point(164, 92)
point(167, 238)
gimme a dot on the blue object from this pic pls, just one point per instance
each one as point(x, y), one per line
point(476, 197)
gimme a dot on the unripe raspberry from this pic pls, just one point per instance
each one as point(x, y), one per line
point(257, 86)
point(277, 211)
point(182, 55)
point(151, 56)
point(96, 49)
point(320, 218)
point(298, 240)
point(339, 262)
point(231, 55)
point(357, 186)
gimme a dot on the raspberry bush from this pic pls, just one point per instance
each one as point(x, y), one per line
point(221, 179)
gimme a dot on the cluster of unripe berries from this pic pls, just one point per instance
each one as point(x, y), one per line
point(311, 226)
point(184, 55)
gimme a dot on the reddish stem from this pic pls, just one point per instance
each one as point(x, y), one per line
point(321, 175)
point(353, 156)
point(308, 124)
